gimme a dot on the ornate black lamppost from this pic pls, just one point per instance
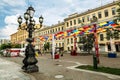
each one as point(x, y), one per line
point(29, 60)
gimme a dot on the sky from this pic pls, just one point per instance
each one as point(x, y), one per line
point(52, 11)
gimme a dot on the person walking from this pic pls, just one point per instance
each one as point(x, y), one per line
point(39, 52)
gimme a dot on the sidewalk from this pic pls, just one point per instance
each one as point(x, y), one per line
point(63, 68)
point(12, 71)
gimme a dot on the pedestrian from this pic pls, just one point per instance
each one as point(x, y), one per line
point(39, 52)
point(61, 52)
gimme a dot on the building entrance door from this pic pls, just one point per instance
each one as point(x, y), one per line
point(117, 46)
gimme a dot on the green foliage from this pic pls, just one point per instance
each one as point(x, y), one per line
point(87, 42)
point(9, 45)
point(109, 70)
point(116, 34)
point(16, 46)
point(108, 34)
point(112, 34)
point(47, 46)
point(4, 46)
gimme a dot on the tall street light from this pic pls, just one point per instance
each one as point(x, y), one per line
point(29, 61)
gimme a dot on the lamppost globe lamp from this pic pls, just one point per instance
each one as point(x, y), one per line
point(19, 20)
point(31, 11)
point(29, 61)
point(33, 22)
point(41, 20)
point(26, 16)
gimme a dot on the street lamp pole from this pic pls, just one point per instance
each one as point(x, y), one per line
point(29, 60)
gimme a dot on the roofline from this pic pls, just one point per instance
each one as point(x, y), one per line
point(91, 10)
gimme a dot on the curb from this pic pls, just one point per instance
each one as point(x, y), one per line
point(110, 76)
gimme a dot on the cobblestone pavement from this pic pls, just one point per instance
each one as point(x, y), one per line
point(63, 68)
point(11, 71)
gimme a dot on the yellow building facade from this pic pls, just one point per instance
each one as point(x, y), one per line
point(19, 37)
point(103, 13)
point(49, 31)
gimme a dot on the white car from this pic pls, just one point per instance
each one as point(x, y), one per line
point(22, 52)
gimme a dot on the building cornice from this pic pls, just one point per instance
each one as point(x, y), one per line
point(92, 10)
point(52, 26)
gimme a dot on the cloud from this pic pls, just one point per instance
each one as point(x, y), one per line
point(11, 26)
point(11, 19)
point(12, 2)
point(52, 11)
point(8, 30)
point(69, 1)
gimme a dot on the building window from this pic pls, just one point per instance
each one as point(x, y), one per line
point(68, 48)
point(53, 30)
point(109, 47)
point(56, 44)
point(79, 21)
point(101, 37)
point(99, 15)
point(74, 22)
point(50, 31)
point(59, 29)
point(63, 44)
point(83, 19)
point(71, 40)
point(71, 47)
point(88, 18)
point(59, 44)
point(106, 13)
point(56, 29)
point(62, 27)
point(67, 24)
point(67, 41)
point(70, 23)
point(113, 11)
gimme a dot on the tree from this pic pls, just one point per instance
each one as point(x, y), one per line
point(16, 45)
point(9, 45)
point(108, 34)
point(47, 46)
point(4, 46)
point(87, 42)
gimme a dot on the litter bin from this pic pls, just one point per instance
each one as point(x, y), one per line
point(112, 55)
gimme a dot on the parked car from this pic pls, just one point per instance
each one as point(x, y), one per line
point(6, 53)
point(22, 52)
